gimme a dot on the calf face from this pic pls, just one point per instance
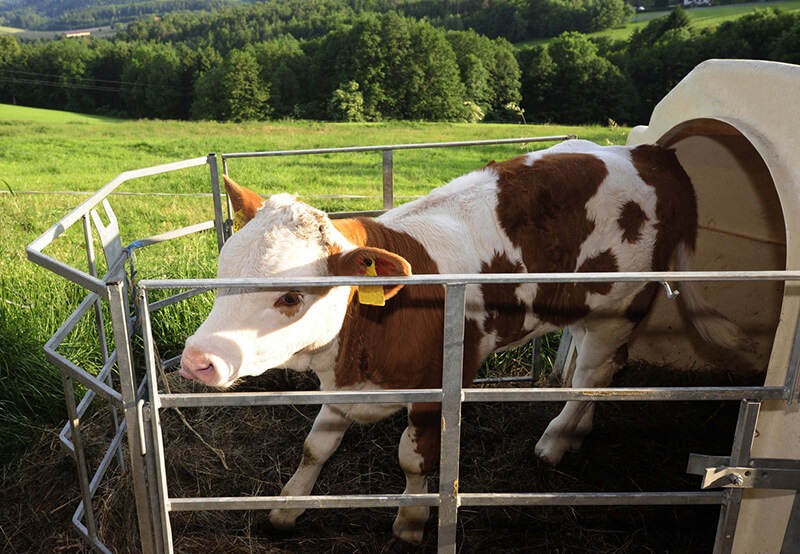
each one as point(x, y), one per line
point(251, 330)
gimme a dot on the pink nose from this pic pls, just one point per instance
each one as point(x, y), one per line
point(197, 364)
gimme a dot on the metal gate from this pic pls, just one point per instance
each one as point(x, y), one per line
point(139, 400)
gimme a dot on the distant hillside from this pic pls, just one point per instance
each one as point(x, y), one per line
point(60, 15)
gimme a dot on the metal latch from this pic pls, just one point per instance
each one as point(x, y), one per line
point(760, 473)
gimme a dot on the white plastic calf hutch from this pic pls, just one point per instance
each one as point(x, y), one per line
point(731, 124)
point(734, 125)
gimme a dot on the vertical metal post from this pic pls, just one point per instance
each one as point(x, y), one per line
point(792, 375)
point(118, 304)
point(740, 456)
point(388, 180)
point(156, 442)
point(451, 416)
point(80, 457)
point(92, 264)
point(219, 216)
point(100, 326)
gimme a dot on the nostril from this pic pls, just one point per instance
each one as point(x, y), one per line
point(196, 364)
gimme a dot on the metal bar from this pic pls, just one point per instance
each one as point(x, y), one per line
point(431, 499)
point(67, 272)
point(81, 464)
point(592, 499)
point(346, 215)
point(194, 400)
point(349, 149)
point(87, 205)
point(87, 399)
point(328, 501)
point(699, 462)
point(552, 394)
point(169, 235)
point(156, 456)
point(105, 463)
point(87, 379)
point(740, 456)
point(388, 180)
point(174, 299)
point(66, 328)
point(450, 456)
point(127, 380)
point(92, 264)
point(83, 532)
point(219, 216)
point(792, 536)
point(793, 373)
point(480, 279)
point(493, 380)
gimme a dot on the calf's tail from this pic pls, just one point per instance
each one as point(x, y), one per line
point(711, 324)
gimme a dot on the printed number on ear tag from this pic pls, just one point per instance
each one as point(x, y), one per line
point(371, 295)
point(238, 220)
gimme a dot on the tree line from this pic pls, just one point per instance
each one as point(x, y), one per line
point(373, 66)
point(514, 19)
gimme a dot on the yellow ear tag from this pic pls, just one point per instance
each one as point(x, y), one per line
point(372, 295)
point(238, 220)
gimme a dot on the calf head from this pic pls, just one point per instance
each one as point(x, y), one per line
point(251, 330)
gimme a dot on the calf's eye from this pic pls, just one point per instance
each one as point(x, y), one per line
point(289, 300)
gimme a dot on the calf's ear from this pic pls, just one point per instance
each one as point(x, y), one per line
point(244, 201)
point(363, 260)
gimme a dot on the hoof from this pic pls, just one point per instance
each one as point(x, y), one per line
point(398, 546)
point(547, 456)
point(282, 521)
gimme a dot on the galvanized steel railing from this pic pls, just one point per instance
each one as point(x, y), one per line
point(140, 400)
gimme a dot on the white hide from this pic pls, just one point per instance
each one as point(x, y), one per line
point(246, 333)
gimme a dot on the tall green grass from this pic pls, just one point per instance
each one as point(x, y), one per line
point(51, 161)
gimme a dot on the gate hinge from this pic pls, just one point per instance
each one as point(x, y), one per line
point(760, 473)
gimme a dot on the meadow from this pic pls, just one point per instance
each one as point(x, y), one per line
point(702, 18)
point(50, 162)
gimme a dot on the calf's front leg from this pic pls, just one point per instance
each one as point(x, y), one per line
point(323, 440)
point(418, 451)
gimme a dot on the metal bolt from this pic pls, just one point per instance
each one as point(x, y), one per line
point(736, 479)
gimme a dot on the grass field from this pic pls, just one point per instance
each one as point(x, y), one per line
point(701, 17)
point(51, 161)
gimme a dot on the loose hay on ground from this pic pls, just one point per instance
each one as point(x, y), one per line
point(635, 446)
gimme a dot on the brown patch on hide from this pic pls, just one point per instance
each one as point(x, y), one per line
point(504, 313)
point(398, 345)
point(641, 303)
point(631, 220)
point(604, 262)
point(676, 205)
point(542, 209)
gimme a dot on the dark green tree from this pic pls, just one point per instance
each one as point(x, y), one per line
point(58, 76)
point(648, 35)
point(10, 63)
point(433, 83)
point(281, 61)
point(152, 81)
point(579, 85)
point(489, 69)
point(232, 91)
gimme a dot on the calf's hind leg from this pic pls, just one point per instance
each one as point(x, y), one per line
point(322, 441)
point(598, 359)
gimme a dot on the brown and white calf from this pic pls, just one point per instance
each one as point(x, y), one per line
point(575, 207)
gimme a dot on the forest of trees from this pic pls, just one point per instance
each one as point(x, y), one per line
point(324, 59)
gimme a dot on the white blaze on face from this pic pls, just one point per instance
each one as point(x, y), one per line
point(251, 330)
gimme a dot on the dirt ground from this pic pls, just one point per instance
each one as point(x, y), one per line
point(635, 446)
